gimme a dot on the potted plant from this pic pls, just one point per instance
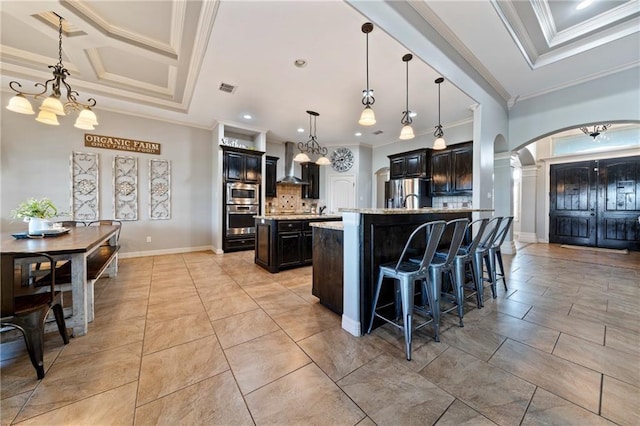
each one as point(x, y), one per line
point(36, 212)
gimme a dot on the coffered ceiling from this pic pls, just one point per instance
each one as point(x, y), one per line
point(168, 59)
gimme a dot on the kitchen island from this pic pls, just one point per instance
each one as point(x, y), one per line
point(373, 237)
point(284, 241)
point(328, 264)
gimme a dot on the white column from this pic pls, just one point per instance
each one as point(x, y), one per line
point(351, 273)
point(503, 198)
point(528, 204)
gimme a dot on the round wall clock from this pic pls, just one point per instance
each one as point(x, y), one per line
point(341, 159)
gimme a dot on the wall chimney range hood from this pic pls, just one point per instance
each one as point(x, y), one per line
point(289, 170)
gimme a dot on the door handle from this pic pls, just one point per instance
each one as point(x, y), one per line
point(592, 214)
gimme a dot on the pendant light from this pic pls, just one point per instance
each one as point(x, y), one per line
point(439, 134)
point(312, 146)
point(52, 105)
point(367, 118)
point(407, 131)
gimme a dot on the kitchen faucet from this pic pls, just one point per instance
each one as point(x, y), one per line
point(404, 203)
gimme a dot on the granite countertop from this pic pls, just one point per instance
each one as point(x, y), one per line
point(337, 225)
point(414, 211)
point(298, 216)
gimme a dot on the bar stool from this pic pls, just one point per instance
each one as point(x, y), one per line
point(443, 263)
point(482, 254)
point(496, 255)
point(467, 257)
point(405, 273)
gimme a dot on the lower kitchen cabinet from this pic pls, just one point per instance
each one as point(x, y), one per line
point(284, 242)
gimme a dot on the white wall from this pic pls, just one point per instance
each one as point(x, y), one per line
point(610, 99)
point(35, 162)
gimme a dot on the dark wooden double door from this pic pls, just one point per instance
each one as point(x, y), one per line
point(596, 203)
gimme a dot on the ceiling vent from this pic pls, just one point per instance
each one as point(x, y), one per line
point(378, 132)
point(227, 88)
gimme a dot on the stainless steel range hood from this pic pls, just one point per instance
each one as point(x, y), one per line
point(289, 167)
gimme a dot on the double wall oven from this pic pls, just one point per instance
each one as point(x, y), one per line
point(242, 204)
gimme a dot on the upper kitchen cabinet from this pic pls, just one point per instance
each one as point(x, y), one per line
point(452, 170)
point(270, 169)
point(411, 164)
point(310, 175)
point(242, 165)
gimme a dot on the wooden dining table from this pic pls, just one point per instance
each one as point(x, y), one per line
point(75, 246)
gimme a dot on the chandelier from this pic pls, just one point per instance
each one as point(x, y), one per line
point(439, 143)
point(367, 118)
point(407, 130)
point(312, 146)
point(596, 131)
point(51, 105)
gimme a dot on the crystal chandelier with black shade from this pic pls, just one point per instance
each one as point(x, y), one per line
point(51, 105)
point(312, 147)
point(596, 131)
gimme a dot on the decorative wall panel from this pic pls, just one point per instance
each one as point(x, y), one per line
point(125, 188)
point(159, 189)
point(84, 186)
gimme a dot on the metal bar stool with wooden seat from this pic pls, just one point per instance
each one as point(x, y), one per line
point(25, 306)
point(405, 273)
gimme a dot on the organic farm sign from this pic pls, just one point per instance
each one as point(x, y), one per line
point(121, 144)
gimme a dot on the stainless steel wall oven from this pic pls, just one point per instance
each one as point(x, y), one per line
point(240, 219)
point(243, 193)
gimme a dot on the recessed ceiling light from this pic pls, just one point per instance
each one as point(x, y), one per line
point(300, 63)
point(358, 134)
point(413, 114)
point(247, 117)
point(300, 130)
point(584, 4)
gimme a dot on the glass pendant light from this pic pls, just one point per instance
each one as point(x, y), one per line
point(439, 143)
point(367, 118)
point(407, 130)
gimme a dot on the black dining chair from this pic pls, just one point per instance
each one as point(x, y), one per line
point(26, 305)
point(405, 273)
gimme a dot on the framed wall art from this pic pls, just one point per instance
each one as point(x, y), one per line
point(84, 186)
point(159, 189)
point(125, 188)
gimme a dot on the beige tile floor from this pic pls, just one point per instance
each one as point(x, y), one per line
point(212, 339)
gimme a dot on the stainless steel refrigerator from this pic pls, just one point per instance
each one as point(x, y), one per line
point(407, 193)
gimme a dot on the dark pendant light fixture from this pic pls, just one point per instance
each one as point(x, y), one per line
point(367, 118)
point(312, 146)
point(407, 130)
point(51, 106)
point(597, 130)
point(439, 134)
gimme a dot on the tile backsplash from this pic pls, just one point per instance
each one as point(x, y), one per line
point(288, 199)
point(452, 202)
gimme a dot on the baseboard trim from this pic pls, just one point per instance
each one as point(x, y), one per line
point(351, 326)
point(527, 237)
point(178, 250)
point(600, 249)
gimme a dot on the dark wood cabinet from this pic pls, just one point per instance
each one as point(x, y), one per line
point(462, 166)
point(411, 164)
point(311, 175)
point(283, 244)
point(270, 170)
point(452, 170)
point(241, 165)
point(328, 266)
